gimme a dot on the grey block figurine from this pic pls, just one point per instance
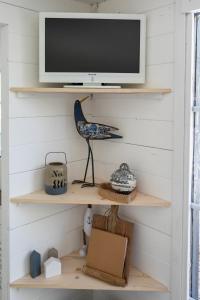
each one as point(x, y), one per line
point(35, 264)
point(53, 253)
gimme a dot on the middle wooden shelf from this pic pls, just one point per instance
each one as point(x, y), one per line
point(84, 196)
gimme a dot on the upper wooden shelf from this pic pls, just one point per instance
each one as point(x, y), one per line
point(73, 278)
point(71, 90)
point(77, 195)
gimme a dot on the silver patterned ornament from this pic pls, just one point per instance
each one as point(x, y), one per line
point(123, 180)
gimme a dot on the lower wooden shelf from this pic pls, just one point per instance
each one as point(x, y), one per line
point(73, 278)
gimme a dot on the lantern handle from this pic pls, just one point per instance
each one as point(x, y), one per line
point(55, 153)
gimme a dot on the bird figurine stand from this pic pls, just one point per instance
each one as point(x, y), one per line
point(90, 132)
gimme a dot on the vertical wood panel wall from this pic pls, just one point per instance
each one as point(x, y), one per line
point(43, 123)
point(146, 122)
point(38, 125)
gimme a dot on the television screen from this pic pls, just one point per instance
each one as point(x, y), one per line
point(92, 45)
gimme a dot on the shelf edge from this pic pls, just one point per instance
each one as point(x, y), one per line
point(46, 90)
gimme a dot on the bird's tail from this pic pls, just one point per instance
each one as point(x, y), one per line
point(115, 136)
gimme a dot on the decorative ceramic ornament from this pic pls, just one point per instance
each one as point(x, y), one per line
point(35, 264)
point(52, 267)
point(52, 253)
point(55, 176)
point(87, 225)
point(123, 180)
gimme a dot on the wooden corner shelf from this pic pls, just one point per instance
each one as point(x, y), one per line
point(81, 90)
point(73, 278)
point(77, 195)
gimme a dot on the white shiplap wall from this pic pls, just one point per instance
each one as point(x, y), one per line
point(38, 125)
point(146, 122)
point(190, 5)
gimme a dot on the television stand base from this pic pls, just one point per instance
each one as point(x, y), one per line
point(92, 86)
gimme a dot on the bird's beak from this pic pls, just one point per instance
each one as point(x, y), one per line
point(84, 98)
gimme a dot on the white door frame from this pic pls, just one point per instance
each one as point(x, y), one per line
point(188, 150)
point(178, 157)
point(184, 70)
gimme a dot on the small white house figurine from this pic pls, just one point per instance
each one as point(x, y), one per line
point(52, 267)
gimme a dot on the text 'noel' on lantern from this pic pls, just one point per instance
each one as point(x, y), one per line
point(56, 176)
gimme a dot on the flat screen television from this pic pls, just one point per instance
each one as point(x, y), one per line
point(92, 48)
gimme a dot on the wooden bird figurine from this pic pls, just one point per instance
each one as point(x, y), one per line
point(91, 131)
